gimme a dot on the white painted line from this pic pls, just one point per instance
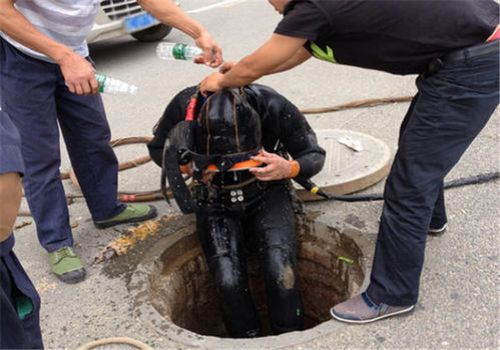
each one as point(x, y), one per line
point(213, 6)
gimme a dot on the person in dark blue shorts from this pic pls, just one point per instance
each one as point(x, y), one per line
point(19, 300)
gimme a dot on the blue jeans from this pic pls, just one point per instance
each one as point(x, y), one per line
point(449, 111)
point(36, 98)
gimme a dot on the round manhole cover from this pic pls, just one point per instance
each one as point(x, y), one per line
point(354, 161)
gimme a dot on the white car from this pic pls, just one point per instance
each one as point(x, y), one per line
point(121, 17)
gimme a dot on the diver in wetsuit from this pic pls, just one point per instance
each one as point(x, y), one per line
point(236, 144)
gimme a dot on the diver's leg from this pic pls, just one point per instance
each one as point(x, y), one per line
point(222, 240)
point(275, 229)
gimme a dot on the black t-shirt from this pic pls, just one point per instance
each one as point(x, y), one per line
point(396, 36)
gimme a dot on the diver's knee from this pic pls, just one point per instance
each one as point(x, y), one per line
point(228, 281)
point(280, 268)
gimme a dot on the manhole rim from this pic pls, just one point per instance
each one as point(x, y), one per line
point(164, 327)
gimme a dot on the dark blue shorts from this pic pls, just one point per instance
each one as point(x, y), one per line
point(11, 160)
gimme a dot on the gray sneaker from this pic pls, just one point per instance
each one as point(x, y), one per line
point(361, 309)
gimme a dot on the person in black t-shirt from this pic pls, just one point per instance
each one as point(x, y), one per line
point(453, 46)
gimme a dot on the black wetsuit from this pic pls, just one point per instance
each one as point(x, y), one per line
point(237, 212)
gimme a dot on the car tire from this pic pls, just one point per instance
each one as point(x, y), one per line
point(155, 33)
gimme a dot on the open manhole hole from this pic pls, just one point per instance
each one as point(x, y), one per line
point(174, 279)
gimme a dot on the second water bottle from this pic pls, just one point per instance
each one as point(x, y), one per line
point(114, 86)
point(173, 51)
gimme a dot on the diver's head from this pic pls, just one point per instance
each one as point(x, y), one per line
point(228, 131)
point(228, 124)
point(219, 134)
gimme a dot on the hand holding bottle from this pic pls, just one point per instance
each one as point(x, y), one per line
point(78, 73)
point(212, 53)
point(177, 51)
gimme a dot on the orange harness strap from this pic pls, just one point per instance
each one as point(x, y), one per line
point(246, 164)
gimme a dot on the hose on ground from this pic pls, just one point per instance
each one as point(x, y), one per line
point(460, 182)
point(372, 102)
point(115, 340)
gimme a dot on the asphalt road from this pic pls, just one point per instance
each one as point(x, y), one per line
point(458, 306)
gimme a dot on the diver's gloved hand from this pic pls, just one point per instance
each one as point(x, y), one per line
point(276, 168)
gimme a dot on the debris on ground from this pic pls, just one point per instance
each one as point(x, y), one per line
point(350, 142)
point(131, 237)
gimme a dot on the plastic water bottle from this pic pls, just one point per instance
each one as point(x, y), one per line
point(174, 51)
point(109, 85)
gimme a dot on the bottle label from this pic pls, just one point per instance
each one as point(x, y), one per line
point(101, 79)
point(178, 51)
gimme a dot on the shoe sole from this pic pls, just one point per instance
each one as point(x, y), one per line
point(338, 318)
point(439, 231)
point(152, 213)
point(73, 277)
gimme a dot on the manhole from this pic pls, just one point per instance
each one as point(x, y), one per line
point(175, 281)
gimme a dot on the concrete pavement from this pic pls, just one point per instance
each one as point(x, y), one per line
point(458, 306)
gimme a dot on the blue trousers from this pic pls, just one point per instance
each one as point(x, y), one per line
point(449, 111)
point(19, 303)
point(37, 100)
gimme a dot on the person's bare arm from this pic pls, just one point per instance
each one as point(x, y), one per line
point(166, 11)
point(10, 199)
point(298, 58)
point(78, 73)
point(265, 60)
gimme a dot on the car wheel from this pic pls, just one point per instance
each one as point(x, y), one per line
point(155, 33)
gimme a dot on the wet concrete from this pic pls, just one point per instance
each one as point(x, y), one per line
point(120, 258)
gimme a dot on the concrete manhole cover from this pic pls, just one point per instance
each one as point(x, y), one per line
point(347, 170)
point(176, 295)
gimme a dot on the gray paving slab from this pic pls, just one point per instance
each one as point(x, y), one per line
point(458, 305)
